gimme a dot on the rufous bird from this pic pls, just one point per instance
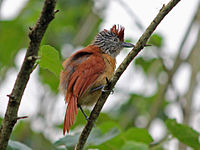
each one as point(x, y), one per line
point(86, 72)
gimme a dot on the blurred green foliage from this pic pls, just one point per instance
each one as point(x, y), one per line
point(35, 140)
point(151, 67)
point(11, 41)
point(63, 29)
point(133, 135)
point(1, 120)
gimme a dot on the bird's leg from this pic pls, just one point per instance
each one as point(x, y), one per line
point(107, 81)
point(86, 117)
point(101, 87)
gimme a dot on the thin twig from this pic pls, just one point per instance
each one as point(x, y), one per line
point(138, 47)
point(23, 117)
point(132, 14)
point(36, 33)
point(194, 60)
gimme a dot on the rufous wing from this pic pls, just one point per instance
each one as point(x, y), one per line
point(81, 71)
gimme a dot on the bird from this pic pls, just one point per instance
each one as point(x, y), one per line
point(86, 72)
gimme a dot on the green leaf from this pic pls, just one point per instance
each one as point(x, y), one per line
point(134, 135)
point(14, 145)
point(96, 137)
point(50, 59)
point(184, 133)
point(26, 135)
point(156, 40)
point(113, 144)
point(131, 145)
point(106, 126)
point(139, 135)
point(68, 140)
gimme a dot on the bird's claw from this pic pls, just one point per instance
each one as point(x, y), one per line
point(108, 84)
point(112, 91)
point(104, 91)
point(87, 118)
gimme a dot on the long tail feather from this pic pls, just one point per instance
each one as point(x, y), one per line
point(70, 113)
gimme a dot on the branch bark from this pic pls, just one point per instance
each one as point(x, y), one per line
point(15, 97)
point(134, 52)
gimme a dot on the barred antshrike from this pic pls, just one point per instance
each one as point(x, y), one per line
point(88, 70)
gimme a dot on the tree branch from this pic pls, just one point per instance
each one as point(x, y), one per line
point(132, 14)
point(35, 36)
point(193, 60)
point(138, 47)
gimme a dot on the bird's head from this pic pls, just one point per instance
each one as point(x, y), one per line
point(111, 41)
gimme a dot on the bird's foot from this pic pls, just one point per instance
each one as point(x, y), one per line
point(104, 91)
point(108, 84)
point(102, 87)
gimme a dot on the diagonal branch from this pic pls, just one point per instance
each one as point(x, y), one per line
point(15, 97)
point(134, 52)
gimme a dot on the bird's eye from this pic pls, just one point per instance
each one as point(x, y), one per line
point(115, 40)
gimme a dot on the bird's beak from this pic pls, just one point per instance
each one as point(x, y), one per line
point(125, 44)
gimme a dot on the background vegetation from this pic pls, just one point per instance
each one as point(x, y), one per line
point(125, 126)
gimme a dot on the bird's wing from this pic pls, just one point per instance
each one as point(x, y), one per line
point(83, 70)
point(85, 75)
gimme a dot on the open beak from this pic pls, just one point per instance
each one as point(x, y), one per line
point(125, 44)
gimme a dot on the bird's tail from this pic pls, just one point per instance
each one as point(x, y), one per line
point(70, 112)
